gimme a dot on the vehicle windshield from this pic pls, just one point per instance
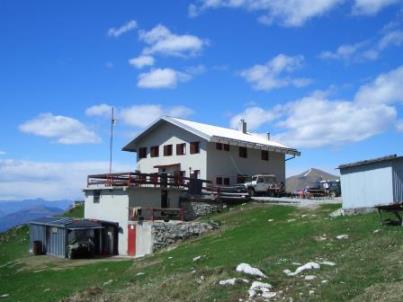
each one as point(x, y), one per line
point(254, 178)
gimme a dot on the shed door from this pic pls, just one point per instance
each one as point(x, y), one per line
point(131, 242)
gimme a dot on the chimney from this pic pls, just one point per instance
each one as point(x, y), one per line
point(244, 127)
point(268, 136)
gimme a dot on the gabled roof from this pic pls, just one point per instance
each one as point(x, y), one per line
point(216, 134)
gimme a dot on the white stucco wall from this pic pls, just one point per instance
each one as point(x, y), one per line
point(167, 134)
point(113, 206)
point(229, 164)
point(366, 186)
point(144, 240)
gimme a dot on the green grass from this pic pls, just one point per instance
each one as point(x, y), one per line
point(76, 212)
point(368, 265)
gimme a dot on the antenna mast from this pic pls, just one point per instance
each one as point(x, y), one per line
point(111, 142)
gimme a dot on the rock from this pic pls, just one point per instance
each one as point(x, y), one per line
point(261, 289)
point(247, 269)
point(343, 236)
point(310, 277)
point(227, 282)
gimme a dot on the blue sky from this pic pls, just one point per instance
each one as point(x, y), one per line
point(322, 76)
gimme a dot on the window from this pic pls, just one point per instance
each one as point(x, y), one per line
point(226, 181)
point(218, 146)
point(218, 180)
point(180, 149)
point(154, 151)
point(196, 173)
point(167, 150)
point(226, 147)
point(97, 195)
point(243, 152)
point(142, 152)
point(265, 155)
point(194, 147)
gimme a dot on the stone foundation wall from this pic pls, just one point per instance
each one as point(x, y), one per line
point(194, 209)
point(166, 233)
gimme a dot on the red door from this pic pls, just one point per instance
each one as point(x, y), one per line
point(131, 242)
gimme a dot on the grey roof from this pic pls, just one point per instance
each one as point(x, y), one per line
point(67, 223)
point(216, 134)
point(370, 161)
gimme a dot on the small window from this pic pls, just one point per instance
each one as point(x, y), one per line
point(194, 147)
point(154, 151)
point(265, 155)
point(167, 150)
point(143, 152)
point(218, 146)
point(243, 152)
point(180, 149)
point(218, 180)
point(97, 195)
point(226, 147)
point(226, 181)
point(196, 173)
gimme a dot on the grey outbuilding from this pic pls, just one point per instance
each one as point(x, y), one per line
point(68, 238)
point(369, 183)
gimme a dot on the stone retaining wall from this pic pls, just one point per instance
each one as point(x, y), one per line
point(166, 233)
point(194, 209)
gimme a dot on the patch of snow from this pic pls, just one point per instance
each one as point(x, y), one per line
point(307, 172)
point(261, 289)
point(247, 269)
point(197, 258)
point(330, 263)
point(227, 281)
point(306, 266)
point(310, 277)
point(343, 236)
point(140, 274)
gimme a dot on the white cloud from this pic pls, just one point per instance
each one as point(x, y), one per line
point(99, 110)
point(399, 126)
point(387, 88)
point(317, 120)
point(143, 115)
point(284, 12)
point(65, 130)
point(371, 7)
point(20, 179)
point(162, 78)
point(161, 40)
point(117, 32)
point(274, 74)
point(363, 51)
point(142, 61)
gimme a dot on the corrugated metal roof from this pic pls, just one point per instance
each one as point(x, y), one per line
point(370, 161)
point(67, 222)
point(218, 134)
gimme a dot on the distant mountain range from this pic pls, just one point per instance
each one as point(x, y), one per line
point(309, 178)
point(14, 213)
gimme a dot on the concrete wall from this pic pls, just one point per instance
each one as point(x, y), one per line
point(229, 164)
point(398, 180)
point(144, 241)
point(367, 186)
point(149, 197)
point(113, 206)
point(167, 134)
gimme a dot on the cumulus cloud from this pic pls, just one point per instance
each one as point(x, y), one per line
point(162, 78)
point(143, 115)
point(284, 12)
point(116, 32)
point(65, 130)
point(142, 61)
point(371, 7)
point(275, 73)
point(365, 50)
point(161, 40)
point(139, 115)
point(317, 120)
point(99, 110)
point(20, 179)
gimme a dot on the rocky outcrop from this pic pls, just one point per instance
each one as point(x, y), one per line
point(167, 233)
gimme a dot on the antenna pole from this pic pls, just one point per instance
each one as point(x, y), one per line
point(111, 143)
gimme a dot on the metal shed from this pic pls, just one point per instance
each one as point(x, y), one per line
point(373, 182)
point(56, 233)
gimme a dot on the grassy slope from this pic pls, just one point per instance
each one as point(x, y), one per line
point(367, 262)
